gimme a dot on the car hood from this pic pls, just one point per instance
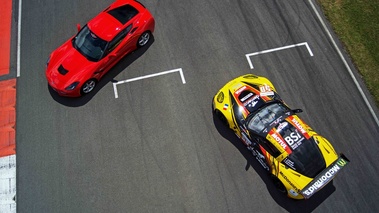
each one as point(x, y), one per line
point(67, 65)
point(303, 152)
point(289, 133)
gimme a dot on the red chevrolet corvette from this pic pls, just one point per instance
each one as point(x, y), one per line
point(75, 68)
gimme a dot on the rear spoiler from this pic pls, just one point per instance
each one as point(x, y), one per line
point(324, 177)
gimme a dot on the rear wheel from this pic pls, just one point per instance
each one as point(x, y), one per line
point(88, 86)
point(144, 39)
point(279, 185)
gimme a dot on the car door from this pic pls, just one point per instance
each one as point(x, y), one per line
point(132, 38)
point(116, 49)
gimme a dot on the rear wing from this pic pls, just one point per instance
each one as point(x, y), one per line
point(324, 177)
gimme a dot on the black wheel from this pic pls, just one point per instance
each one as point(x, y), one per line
point(144, 39)
point(279, 185)
point(88, 86)
point(222, 118)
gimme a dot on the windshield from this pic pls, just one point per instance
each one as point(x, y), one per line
point(89, 45)
point(265, 116)
point(306, 159)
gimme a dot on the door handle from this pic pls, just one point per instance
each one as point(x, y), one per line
point(133, 30)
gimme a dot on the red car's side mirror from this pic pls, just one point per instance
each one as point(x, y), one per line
point(78, 27)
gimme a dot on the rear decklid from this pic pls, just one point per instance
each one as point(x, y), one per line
point(323, 178)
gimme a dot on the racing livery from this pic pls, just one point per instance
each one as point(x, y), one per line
point(300, 161)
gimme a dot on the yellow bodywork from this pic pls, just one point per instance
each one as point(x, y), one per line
point(223, 96)
point(293, 181)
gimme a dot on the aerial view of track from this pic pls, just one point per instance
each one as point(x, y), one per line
point(145, 138)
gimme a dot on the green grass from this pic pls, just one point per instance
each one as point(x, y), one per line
point(356, 22)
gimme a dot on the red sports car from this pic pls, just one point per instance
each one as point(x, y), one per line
point(75, 68)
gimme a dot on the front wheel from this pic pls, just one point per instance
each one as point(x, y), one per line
point(88, 86)
point(222, 118)
point(279, 185)
point(144, 39)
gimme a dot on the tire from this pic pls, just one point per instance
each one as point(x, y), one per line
point(144, 39)
point(222, 118)
point(88, 86)
point(279, 185)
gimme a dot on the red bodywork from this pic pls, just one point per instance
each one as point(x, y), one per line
point(78, 68)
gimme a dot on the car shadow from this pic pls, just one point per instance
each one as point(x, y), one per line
point(107, 78)
point(291, 205)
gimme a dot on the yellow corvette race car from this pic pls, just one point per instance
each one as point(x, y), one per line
point(300, 161)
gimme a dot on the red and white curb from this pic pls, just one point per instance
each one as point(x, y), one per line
point(8, 183)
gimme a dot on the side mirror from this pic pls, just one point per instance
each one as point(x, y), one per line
point(297, 110)
point(78, 27)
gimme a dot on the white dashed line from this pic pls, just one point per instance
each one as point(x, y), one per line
point(148, 76)
point(276, 49)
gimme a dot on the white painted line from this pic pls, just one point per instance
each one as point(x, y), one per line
point(148, 76)
point(115, 90)
point(277, 49)
point(19, 38)
point(345, 63)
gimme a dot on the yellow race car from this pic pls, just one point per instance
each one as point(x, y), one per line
point(300, 161)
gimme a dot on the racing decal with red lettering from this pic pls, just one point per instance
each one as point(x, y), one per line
point(279, 139)
point(240, 90)
point(249, 99)
point(300, 126)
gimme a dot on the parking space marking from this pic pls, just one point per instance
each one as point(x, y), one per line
point(277, 49)
point(148, 76)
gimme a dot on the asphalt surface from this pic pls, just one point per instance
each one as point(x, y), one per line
point(157, 147)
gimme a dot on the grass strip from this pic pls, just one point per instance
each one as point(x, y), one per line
point(356, 23)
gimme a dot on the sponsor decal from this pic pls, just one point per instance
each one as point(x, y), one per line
point(276, 121)
point(342, 162)
point(246, 139)
point(226, 106)
point(323, 178)
point(240, 90)
point(300, 127)
point(280, 141)
point(289, 163)
point(252, 101)
point(261, 159)
point(246, 97)
point(286, 178)
point(265, 90)
point(281, 126)
point(294, 139)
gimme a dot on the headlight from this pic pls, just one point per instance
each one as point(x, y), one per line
point(72, 86)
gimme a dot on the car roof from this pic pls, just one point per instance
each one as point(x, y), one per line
point(113, 19)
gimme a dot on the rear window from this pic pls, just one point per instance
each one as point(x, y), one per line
point(124, 13)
